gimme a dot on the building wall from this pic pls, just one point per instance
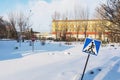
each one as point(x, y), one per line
point(95, 28)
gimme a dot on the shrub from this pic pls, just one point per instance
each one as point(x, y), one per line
point(42, 42)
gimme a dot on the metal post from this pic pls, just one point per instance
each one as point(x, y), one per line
point(85, 66)
point(33, 46)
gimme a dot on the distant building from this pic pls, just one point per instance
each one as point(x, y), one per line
point(41, 35)
point(80, 28)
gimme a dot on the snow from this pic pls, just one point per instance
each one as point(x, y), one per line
point(53, 61)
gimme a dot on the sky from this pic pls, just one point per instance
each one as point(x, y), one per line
point(41, 11)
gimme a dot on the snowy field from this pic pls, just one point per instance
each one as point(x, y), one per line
point(57, 61)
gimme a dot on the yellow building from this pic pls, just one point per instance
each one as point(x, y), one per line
point(80, 29)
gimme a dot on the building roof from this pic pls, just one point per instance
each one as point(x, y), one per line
point(76, 20)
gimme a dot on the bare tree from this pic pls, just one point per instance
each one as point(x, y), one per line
point(111, 12)
point(81, 13)
point(3, 30)
point(55, 17)
point(77, 11)
point(85, 16)
point(19, 23)
point(65, 29)
point(13, 22)
point(66, 34)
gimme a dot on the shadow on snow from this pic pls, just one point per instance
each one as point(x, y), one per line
point(8, 49)
point(114, 73)
point(92, 73)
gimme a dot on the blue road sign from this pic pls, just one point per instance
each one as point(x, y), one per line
point(91, 46)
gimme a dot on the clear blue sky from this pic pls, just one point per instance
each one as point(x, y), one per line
point(10, 4)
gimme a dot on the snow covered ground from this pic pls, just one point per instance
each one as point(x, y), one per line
point(57, 61)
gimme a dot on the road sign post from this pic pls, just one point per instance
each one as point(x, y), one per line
point(91, 46)
point(85, 66)
point(33, 46)
point(33, 40)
